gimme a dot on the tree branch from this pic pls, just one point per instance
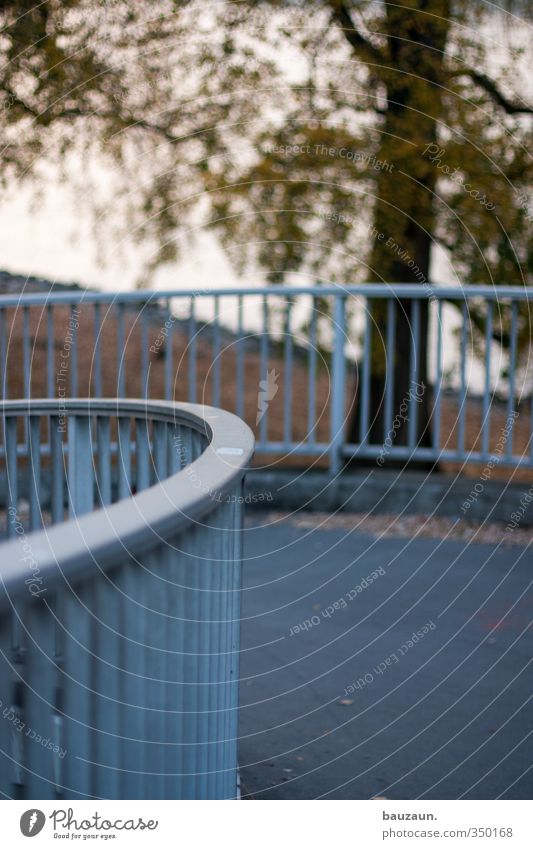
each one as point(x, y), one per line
point(44, 116)
point(492, 89)
point(126, 123)
point(367, 51)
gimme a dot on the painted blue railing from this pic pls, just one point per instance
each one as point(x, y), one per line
point(181, 342)
point(120, 599)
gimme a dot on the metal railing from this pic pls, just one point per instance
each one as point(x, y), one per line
point(120, 599)
point(291, 361)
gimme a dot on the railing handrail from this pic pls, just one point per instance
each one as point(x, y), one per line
point(140, 521)
point(375, 290)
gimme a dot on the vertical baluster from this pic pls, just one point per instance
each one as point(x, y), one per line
point(192, 351)
point(26, 365)
point(131, 583)
point(56, 469)
point(338, 379)
point(160, 449)
point(223, 519)
point(144, 349)
point(58, 714)
point(186, 446)
point(79, 646)
point(154, 601)
point(263, 421)
point(202, 442)
point(10, 442)
point(124, 457)
point(50, 351)
point(531, 429)
point(80, 465)
point(413, 375)
point(18, 749)
point(215, 604)
point(178, 566)
point(97, 355)
point(287, 406)
point(169, 357)
point(142, 439)
point(365, 388)
point(73, 332)
point(463, 388)
point(3, 354)
point(311, 375)
point(216, 354)
point(190, 689)
point(16, 681)
point(39, 697)
point(6, 698)
point(236, 592)
point(188, 443)
point(34, 471)
point(121, 352)
point(176, 448)
point(512, 376)
point(240, 359)
point(205, 567)
point(227, 541)
point(390, 355)
point(438, 388)
point(486, 395)
point(103, 436)
point(106, 696)
point(227, 774)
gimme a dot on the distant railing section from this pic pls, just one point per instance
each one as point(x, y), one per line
point(291, 360)
point(120, 599)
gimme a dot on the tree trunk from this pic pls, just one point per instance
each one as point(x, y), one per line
point(404, 216)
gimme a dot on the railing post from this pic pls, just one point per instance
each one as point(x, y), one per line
point(338, 383)
point(80, 465)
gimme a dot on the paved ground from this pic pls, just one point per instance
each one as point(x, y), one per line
point(444, 714)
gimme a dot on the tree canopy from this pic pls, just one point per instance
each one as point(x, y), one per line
point(317, 137)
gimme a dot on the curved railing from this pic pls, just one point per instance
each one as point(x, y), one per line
point(119, 601)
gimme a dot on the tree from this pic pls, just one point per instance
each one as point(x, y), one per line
point(443, 157)
point(385, 136)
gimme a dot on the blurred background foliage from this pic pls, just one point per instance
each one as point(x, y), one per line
point(336, 140)
point(265, 121)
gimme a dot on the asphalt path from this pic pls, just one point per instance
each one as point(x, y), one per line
point(386, 667)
